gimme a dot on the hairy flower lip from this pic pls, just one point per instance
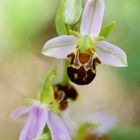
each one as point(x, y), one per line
point(63, 93)
point(81, 76)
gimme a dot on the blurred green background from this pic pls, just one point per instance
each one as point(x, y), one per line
point(126, 34)
point(26, 25)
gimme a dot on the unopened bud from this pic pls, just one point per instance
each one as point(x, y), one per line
point(72, 12)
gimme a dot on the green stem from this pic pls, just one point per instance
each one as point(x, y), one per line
point(65, 78)
point(77, 34)
point(68, 27)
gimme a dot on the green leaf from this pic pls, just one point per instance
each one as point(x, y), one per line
point(46, 92)
point(106, 30)
point(59, 19)
point(72, 11)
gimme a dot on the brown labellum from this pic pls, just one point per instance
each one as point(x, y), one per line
point(82, 68)
point(64, 92)
point(63, 105)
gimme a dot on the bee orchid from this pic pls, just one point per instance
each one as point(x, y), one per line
point(87, 49)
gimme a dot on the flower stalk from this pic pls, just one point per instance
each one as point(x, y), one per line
point(65, 78)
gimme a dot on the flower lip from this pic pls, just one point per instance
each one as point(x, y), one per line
point(82, 68)
point(80, 76)
point(63, 93)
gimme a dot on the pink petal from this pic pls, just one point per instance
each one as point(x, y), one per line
point(57, 127)
point(61, 46)
point(104, 120)
point(35, 123)
point(92, 17)
point(110, 54)
point(20, 112)
point(69, 122)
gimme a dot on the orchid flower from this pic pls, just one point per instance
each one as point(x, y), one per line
point(94, 127)
point(38, 117)
point(87, 49)
point(43, 113)
point(104, 122)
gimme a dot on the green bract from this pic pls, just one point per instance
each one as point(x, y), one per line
point(46, 92)
point(59, 19)
point(72, 12)
point(106, 30)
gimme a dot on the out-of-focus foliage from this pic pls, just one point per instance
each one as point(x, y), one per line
point(59, 20)
point(125, 133)
point(126, 34)
point(25, 21)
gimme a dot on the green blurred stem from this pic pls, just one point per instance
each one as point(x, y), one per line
point(68, 27)
point(65, 78)
point(77, 34)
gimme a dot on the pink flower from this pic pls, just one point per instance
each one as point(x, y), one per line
point(88, 49)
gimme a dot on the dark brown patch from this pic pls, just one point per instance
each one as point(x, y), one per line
point(64, 92)
point(82, 67)
point(63, 105)
point(68, 90)
point(71, 58)
point(58, 94)
point(84, 76)
point(95, 62)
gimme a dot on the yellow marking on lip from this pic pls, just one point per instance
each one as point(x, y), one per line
point(75, 75)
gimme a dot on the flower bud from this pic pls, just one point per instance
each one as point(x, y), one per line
point(72, 12)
